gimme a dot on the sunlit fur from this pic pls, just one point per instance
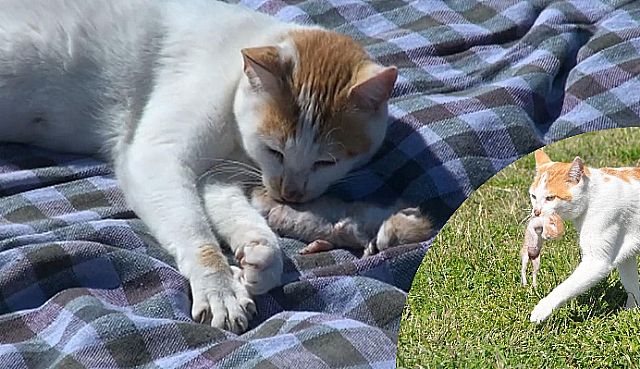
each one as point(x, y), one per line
point(166, 90)
point(309, 114)
point(603, 206)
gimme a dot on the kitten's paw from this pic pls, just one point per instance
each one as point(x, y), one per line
point(221, 300)
point(404, 227)
point(262, 264)
point(346, 232)
point(317, 246)
point(280, 217)
point(541, 312)
point(262, 202)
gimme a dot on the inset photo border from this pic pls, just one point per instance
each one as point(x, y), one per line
point(468, 306)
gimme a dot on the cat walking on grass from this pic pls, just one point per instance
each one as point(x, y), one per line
point(603, 205)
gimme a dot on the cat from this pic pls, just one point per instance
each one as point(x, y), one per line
point(538, 230)
point(165, 90)
point(327, 223)
point(603, 206)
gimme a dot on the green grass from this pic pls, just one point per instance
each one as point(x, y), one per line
point(467, 308)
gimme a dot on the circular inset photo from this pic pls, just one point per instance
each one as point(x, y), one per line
point(538, 268)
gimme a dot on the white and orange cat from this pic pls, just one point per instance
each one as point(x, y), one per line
point(603, 206)
point(167, 89)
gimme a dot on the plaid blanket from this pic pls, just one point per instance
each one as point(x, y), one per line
point(83, 284)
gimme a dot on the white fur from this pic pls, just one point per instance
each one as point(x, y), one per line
point(605, 213)
point(157, 88)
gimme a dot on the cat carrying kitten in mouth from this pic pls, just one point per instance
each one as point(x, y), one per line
point(167, 89)
point(603, 205)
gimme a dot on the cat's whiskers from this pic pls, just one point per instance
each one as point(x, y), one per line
point(233, 162)
point(234, 170)
point(327, 135)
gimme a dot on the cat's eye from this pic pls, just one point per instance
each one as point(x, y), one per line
point(550, 198)
point(276, 153)
point(323, 164)
point(533, 196)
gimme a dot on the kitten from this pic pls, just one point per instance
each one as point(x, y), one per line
point(167, 89)
point(538, 230)
point(327, 223)
point(603, 205)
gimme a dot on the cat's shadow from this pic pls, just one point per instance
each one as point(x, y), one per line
point(603, 300)
point(407, 167)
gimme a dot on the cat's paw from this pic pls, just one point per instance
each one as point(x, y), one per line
point(221, 300)
point(631, 302)
point(541, 312)
point(404, 227)
point(262, 264)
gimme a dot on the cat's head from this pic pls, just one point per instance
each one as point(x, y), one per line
point(310, 109)
point(559, 187)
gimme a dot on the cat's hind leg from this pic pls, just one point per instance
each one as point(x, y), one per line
point(628, 270)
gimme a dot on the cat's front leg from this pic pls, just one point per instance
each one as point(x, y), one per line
point(588, 273)
point(254, 244)
point(162, 191)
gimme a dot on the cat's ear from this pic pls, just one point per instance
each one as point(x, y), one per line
point(373, 87)
point(541, 158)
point(263, 68)
point(577, 170)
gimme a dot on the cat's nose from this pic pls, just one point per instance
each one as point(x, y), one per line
point(537, 212)
point(291, 195)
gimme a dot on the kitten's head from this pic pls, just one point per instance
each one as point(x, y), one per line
point(310, 109)
point(559, 187)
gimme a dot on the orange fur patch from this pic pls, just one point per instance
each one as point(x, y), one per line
point(329, 64)
point(211, 256)
point(625, 174)
point(557, 176)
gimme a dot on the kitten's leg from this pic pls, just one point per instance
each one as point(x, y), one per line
point(309, 222)
point(247, 233)
point(323, 223)
point(589, 272)
point(404, 227)
point(163, 194)
point(524, 258)
point(628, 270)
point(317, 246)
point(534, 273)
